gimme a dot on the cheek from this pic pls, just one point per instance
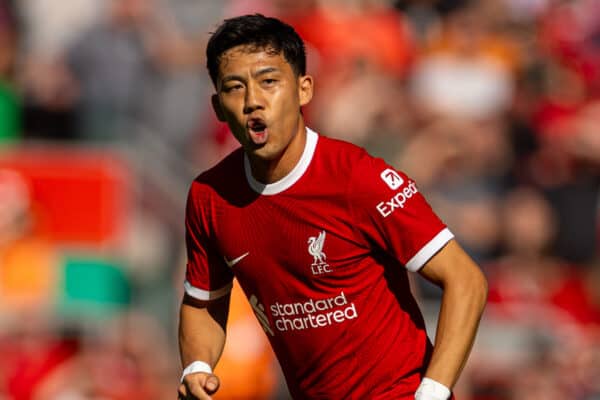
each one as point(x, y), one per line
point(288, 104)
point(231, 109)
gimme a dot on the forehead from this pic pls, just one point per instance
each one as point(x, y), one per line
point(247, 56)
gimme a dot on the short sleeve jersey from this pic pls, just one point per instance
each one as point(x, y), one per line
point(322, 256)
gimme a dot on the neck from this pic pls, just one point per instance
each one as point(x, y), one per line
point(269, 171)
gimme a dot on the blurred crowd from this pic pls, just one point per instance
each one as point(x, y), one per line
point(492, 106)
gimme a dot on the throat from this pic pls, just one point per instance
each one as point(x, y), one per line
point(268, 171)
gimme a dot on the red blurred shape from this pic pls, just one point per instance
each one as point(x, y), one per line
point(79, 196)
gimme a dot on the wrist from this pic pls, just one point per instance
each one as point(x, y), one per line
point(432, 390)
point(196, 366)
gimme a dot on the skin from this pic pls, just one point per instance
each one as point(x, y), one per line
point(201, 337)
point(463, 300)
point(259, 97)
point(259, 86)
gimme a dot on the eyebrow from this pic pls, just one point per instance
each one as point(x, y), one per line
point(258, 73)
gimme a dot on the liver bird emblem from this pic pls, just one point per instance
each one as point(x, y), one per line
point(315, 248)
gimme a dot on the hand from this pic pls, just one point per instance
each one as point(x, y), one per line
point(198, 386)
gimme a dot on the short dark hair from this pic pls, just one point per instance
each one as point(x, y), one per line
point(260, 32)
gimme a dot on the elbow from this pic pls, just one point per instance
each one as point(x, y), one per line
point(471, 289)
point(479, 289)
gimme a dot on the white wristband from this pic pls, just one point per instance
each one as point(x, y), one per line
point(432, 390)
point(196, 366)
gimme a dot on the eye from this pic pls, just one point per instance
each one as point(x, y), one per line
point(269, 81)
point(233, 88)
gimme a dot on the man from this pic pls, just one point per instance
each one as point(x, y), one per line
point(320, 236)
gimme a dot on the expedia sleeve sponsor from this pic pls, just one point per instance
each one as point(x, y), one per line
point(386, 208)
point(391, 215)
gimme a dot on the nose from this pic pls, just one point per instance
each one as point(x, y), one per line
point(253, 99)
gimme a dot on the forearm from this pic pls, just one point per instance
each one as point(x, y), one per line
point(460, 313)
point(201, 334)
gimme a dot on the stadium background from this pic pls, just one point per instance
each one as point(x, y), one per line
point(492, 106)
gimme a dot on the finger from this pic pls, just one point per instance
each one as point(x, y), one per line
point(212, 384)
point(195, 390)
point(181, 392)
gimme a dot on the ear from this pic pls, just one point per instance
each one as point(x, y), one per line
point(216, 104)
point(305, 89)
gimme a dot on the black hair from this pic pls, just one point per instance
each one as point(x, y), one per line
point(261, 33)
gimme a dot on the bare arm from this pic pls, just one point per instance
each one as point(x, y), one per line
point(201, 338)
point(463, 300)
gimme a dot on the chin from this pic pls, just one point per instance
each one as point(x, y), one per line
point(265, 153)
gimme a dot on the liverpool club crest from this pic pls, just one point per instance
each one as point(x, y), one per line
point(315, 249)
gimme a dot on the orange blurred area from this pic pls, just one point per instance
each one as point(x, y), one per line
point(247, 367)
point(28, 275)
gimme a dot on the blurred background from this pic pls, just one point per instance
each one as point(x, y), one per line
point(492, 106)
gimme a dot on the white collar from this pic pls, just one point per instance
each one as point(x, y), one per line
point(293, 176)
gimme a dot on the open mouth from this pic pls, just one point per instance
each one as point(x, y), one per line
point(258, 131)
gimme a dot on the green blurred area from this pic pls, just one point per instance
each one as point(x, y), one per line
point(10, 114)
point(92, 288)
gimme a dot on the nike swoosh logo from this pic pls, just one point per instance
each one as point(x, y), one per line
point(231, 263)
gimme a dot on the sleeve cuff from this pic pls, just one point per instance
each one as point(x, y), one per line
point(429, 250)
point(206, 295)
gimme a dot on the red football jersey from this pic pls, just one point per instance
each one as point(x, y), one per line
point(322, 256)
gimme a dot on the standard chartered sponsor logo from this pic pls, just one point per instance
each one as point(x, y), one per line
point(386, 208)
point(313, 313)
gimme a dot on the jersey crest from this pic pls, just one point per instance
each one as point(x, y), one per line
point(315, 249)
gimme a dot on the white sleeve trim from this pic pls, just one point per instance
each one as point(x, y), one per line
point(206, 295)
point(434, 245)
